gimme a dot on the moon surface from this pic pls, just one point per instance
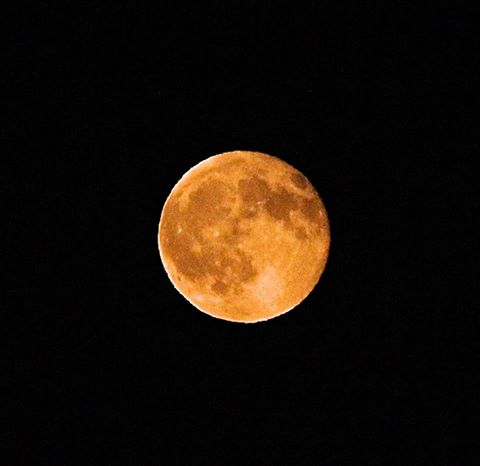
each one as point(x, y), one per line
point(244, 236)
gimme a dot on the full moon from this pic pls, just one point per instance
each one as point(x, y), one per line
point(244, 236)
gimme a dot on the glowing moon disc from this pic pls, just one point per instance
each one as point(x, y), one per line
point(244, 236)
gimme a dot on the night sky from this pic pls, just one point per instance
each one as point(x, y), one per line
point(109, 104)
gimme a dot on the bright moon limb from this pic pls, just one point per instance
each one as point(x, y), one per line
point(244, 236)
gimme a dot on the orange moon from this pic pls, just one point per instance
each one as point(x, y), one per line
point(244, 236)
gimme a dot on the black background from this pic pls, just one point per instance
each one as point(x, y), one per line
point(110, 103)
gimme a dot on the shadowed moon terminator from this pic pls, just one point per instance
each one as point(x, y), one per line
point(244, 236)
